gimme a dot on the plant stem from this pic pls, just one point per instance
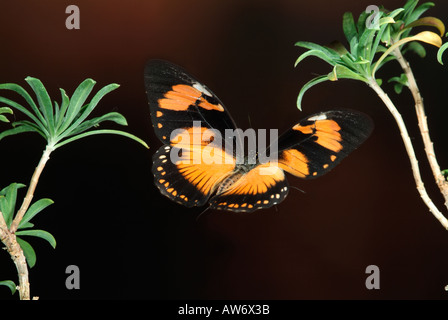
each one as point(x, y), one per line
point(423, 125)
point(30, 193)
point(16, 252)
point(411, 153)
point(8, 237)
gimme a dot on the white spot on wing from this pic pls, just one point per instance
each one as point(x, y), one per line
point(201, 88)
point(320, 116)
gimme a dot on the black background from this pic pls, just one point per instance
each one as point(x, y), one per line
point(130, 242)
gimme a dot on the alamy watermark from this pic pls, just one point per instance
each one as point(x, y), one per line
point(373, 280)
point(373, 20)
point(73, 280)
point(205, 146)
point(73, 20)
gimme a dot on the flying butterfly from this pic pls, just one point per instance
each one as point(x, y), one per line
point(199, 162)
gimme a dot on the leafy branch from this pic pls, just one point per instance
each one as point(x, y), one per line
point(58, 124)
point(370, 47)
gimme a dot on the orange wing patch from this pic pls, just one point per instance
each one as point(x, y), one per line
point(327, 133)
point(214, 166)
point(182, 96)
point(186, 138)
point(256, 181)
point(261, 187)
point(294, 162)
point(202, 163)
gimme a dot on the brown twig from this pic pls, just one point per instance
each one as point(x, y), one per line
point(8, 237)
point(423, 125)
point(30, 192)
point(411, 153)
point(9, 240)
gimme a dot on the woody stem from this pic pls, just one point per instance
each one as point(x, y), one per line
point(410, 151)
point(423, 125)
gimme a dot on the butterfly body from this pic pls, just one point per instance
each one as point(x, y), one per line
point(238, 173)
point(201, 163)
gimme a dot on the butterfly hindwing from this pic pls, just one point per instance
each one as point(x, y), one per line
point(261, 187)
point(182, 180)
point(318, 143)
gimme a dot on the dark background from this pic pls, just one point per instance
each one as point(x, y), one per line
point(130, 242)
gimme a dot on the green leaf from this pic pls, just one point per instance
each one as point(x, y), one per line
point(398, 87)
point(3, 118)
point(21, 91)
point(428, 22)
point(76, 102)
point(30, 125)
point(401, 81)
point(14, 131)
point(338, 47)
point(27, 225)
point(445, 173)
point(34, 209)
point(112, 116)
point(354, 44)
point(40, 234)
point(4, 110)
point(44, 101)
point(90, 107)
point(95, 132)
point(408, 9)
point(347, 59)
point(365, 44)
point(425, 36)
point(10, 284)
point(349, 27)
point(315, 53)
point(417, 48)
point(385, 36)
point(396, 13)
point(64, 105)
point(25, 111)
point(307, 86)
point(384, 33)
point(8, 201)
point(69, 120)
point(412, 13)
point(28, 252)
point(420, 10)
point(342, 72)
point(56, 112)
point(441, 51)
point(313, 46)
point(361, 24)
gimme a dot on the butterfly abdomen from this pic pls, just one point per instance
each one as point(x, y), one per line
point(237, 174)
point(228, 182)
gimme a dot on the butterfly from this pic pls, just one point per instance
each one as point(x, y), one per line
point(200, 163)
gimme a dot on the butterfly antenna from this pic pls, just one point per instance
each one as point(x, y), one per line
point(250, 122)
point(294, 187)
point(197, 218)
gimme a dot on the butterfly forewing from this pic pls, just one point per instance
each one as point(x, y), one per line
point(318, 143)
point(177, 100)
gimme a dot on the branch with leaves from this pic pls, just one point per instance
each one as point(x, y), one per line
point(371, 46)
point(58, 124)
